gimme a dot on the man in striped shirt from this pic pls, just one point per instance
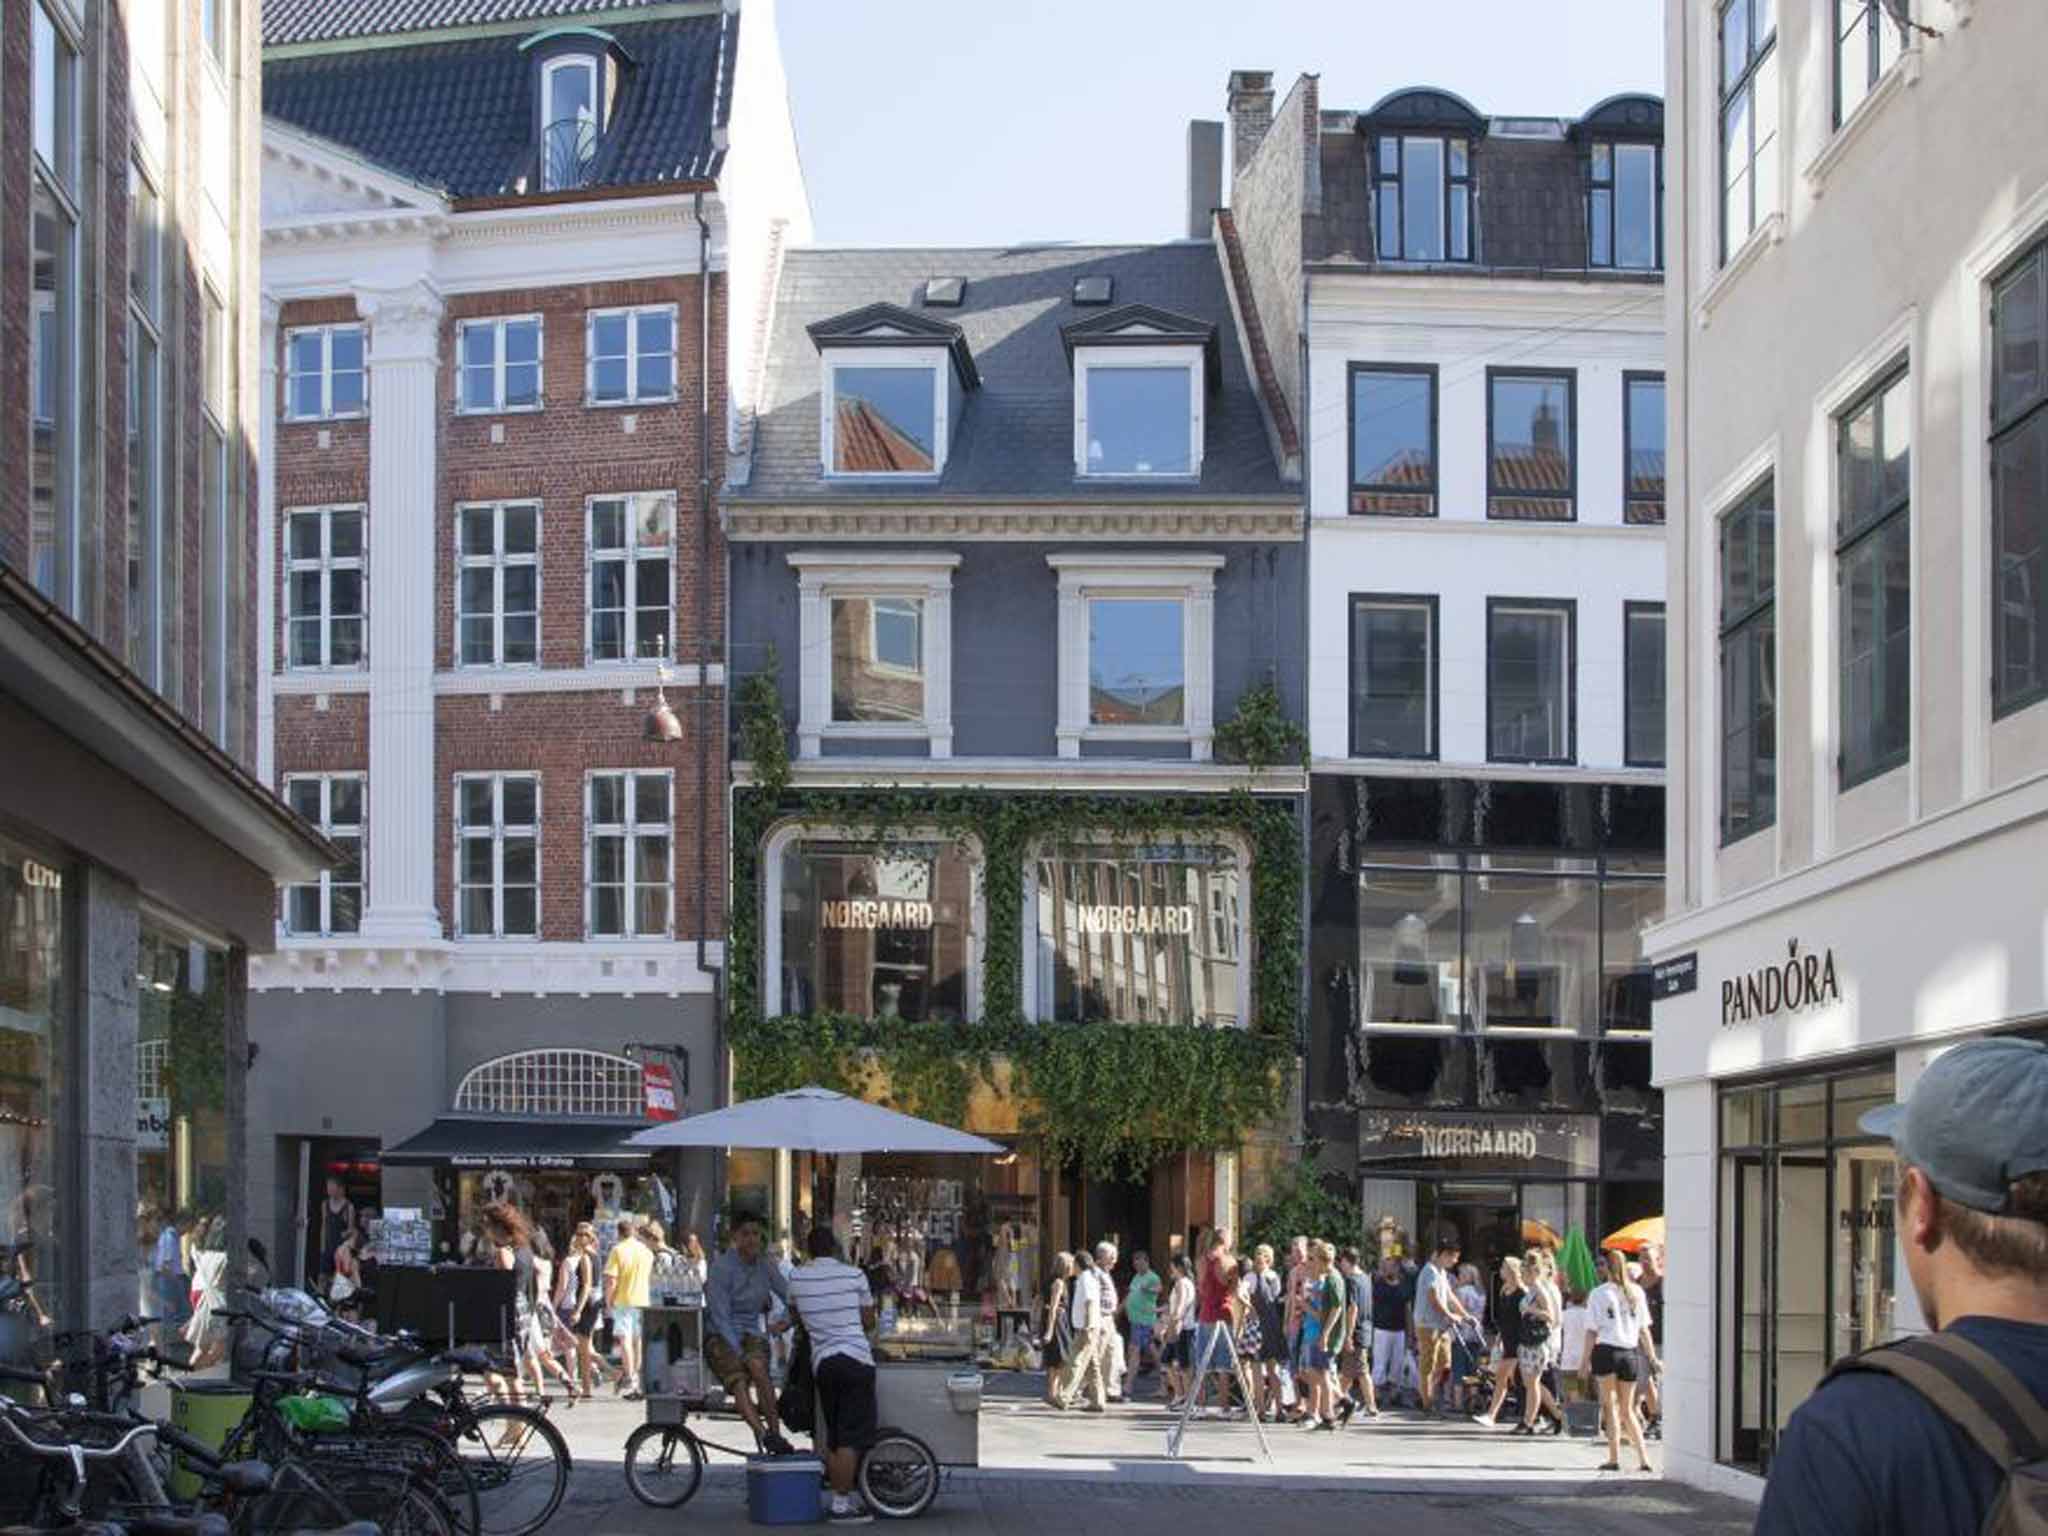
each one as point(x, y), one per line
point(836, 1305)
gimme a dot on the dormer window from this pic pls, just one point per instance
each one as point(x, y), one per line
point(893, 385)
point(1623, 138)
point(570, 111)
point(1421, 143)
point(1140, 377)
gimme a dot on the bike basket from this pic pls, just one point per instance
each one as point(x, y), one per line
point(314, 1414)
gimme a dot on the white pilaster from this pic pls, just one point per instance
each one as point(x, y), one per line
point(266, 544)
point(404, 350)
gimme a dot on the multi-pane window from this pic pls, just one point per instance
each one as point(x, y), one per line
point(1137, 661)
point(1625, 205)
point(1393, 676)
point(1867, 44)
point(324, 587)
point(1642, 447)
point(497, 596)
point(1531, 695)
point(1422, 197)
point(1749, 665)
point(878, 659)
point(632, 570)
point(53, 306)
point(1393, 439)
point(323, 372)
point(2019, 481)
point(569, 121)
point(332, 804)
point(1874, 576)
point(628, 878)
point(1531, 465)
point(500, 364)
point(1642, 685)
point(1749, 118)
point(632, 355)
point(497, 855)
point(145, 434)
point(217, 694)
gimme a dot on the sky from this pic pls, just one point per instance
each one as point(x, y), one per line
point(994, 122)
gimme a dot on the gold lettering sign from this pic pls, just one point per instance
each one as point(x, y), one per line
point(40, 876)
point(1140, 920)
point(877, 914)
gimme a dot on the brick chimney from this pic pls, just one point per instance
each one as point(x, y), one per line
point(1250, 99)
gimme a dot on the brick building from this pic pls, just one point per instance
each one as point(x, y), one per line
point(512, 273)
point(138, 850)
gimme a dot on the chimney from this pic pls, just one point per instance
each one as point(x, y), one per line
point(1205, 175)
point(1250, 101)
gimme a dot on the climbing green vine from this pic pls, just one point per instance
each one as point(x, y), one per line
point(1111, 1097)
point(1259, 733)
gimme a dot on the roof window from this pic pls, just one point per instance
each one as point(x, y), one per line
point(1094, 289)
point(944, 292)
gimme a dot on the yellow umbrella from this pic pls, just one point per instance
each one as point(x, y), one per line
point(1634, 1237)
point(1538, 1233)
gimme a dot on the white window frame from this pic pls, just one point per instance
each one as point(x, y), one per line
point(1185, 357)
point(497, 324)
point(498, 830)
point(1189, 579)
point(326, 564)
point(824, 576)
point(554, 1080)
point(589, 65)
point(1038, 1005)
point(63, 183)
point(777, 843)
point(326, 826)
point(498, 562)
point(326, 333)
point(145, 312)
point(632, 396)
point(630, 554)
point(630, 830)
point(906, 359)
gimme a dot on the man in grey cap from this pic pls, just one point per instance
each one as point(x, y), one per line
point(1868, 1453)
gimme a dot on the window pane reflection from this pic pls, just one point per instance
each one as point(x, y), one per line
point(878, 933)
point(877, 659)
point(884, 421)
point(1140, 421)
point(1146, 936)
point(1136, 662)
point(1408, 945)
point(1532, 950)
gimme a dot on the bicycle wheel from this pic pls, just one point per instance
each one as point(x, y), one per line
point(899, 1475)
point(519, 1463)
point(429, 1454)
point(664, 1465)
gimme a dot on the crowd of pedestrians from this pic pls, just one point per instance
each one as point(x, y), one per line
point(1322, 1337)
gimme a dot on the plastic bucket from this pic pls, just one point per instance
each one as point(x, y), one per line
point(784, 1490)
point(207, 1411)
point(964, 1388)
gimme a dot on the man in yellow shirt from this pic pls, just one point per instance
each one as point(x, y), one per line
point(626, 1273)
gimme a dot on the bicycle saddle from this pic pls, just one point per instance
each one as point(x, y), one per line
point(470, 1359)
point(245, 1478)
point(154, 1524)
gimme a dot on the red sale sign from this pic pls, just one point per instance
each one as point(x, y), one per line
point(659, 1085)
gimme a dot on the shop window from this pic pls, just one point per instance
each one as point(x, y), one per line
point(1807, 1260)
point(1140, 935)
point(181, 1150)
point(1532, 948)
point(1627, 907)
point(1408, 929)
point(882, 933)
point(35, 943)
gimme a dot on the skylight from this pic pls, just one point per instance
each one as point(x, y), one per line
point(1092, 290)
point(944, 292)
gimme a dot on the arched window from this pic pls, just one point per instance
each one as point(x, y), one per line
point(553, 1083)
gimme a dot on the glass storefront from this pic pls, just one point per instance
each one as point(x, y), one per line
point(882, 933)
point(181, 1136)
point(1807, 1273)
point(1497, 941)
point(1145, 935)
point(35, 942)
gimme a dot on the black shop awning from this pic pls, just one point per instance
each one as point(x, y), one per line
point(480, 1141)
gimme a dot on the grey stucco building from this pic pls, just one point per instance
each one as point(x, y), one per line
point(1021, 526)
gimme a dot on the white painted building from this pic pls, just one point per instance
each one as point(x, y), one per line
point(1476, 305)
point(1858, 248)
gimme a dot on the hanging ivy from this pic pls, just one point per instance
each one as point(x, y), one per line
point(1111, 1097)
point(1259, 733)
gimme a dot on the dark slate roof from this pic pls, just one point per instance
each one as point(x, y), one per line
point(1015, 436)
point(320, 21)
point(460, 115)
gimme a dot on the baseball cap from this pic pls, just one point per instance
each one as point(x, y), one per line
point(1976, 1122)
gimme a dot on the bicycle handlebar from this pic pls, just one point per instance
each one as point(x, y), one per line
point(70, 1450)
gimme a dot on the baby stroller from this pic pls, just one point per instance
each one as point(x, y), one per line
point(1470, 1359)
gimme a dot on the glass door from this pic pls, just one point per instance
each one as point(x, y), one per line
point(1745, 1309)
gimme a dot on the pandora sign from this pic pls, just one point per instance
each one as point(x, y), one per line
point(1803, 981)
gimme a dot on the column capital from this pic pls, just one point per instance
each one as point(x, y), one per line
point(405, 322)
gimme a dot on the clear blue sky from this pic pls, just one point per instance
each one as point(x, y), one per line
point(988, 122)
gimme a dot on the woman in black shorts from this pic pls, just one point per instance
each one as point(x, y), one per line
point(1508, 1315)
point(1618, 1320)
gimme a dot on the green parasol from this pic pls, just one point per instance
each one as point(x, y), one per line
point(1575, 1260)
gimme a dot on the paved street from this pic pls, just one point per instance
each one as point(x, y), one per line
point(1112, 1473)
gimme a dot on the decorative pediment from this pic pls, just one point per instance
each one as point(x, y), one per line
point(1144, 325)
point(1422, 109)
point(313, 187)
point(1624, 117)
point(891, 325)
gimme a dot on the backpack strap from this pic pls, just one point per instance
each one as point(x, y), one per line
point(1970, 1387)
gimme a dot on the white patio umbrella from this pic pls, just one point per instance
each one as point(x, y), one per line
point(812, 1120)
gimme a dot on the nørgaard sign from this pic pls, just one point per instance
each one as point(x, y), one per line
point(1803, 981)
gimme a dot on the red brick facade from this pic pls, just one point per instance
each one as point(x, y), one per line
point(558, 456)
